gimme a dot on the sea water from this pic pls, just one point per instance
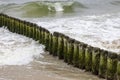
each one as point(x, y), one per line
point(95, 22)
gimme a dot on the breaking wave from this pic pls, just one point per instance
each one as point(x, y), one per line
point(41, 8)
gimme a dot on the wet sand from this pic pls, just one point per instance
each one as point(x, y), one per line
point(47, 68)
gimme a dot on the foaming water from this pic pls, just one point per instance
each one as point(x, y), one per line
point(99, 31)
point(21, 58)
point(93, 22)
point(18, 50)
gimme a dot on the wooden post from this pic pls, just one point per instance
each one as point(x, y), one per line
point(76, 54)
point(34, 32)
point(118, 68)
point(0, 19)
point(95, 60)
point(88, 58)
point(47, 40)
point(37, 33)
point(82, 49)
point(70, 51)
point(55, 43)
point(112, 66)
point(103, 63)
point(65, 39)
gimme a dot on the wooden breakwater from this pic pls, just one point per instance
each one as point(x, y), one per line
point(100, 62)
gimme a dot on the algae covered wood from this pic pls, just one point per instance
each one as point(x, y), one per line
point(82, 49)
point(76, 54)
point(111, 66)
point(95, 60)
point(60, 47)
point(55, 43)
point(70, 51)
point(88, 58)
point(118, 68)
point(65, 39)
point(103, 64)
point(47, 41)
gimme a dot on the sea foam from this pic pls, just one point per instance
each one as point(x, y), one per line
point(18, 50)
point(99, 31)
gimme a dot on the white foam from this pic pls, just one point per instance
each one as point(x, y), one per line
point(58, 7)
point(17, 50)
point(99, 31)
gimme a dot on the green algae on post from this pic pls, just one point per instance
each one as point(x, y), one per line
point(65, 39)
point(37, 33)
point(70, 51)
point(111, 66)
point(76, 54)
point(34, 31)
point(27, 30)
point(30, 30)
point(103, 63)
point(60, 46)
point(45, 35)
point(42, 35)
point(95, 60)
point(88, 58)
point(24, 28)
point(55, 43)
point(50, 43)
point(47, 40)
point(0, 20)
point(82, 48)
point(118, 68)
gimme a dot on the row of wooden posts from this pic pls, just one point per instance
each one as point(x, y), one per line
point(100, 62)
